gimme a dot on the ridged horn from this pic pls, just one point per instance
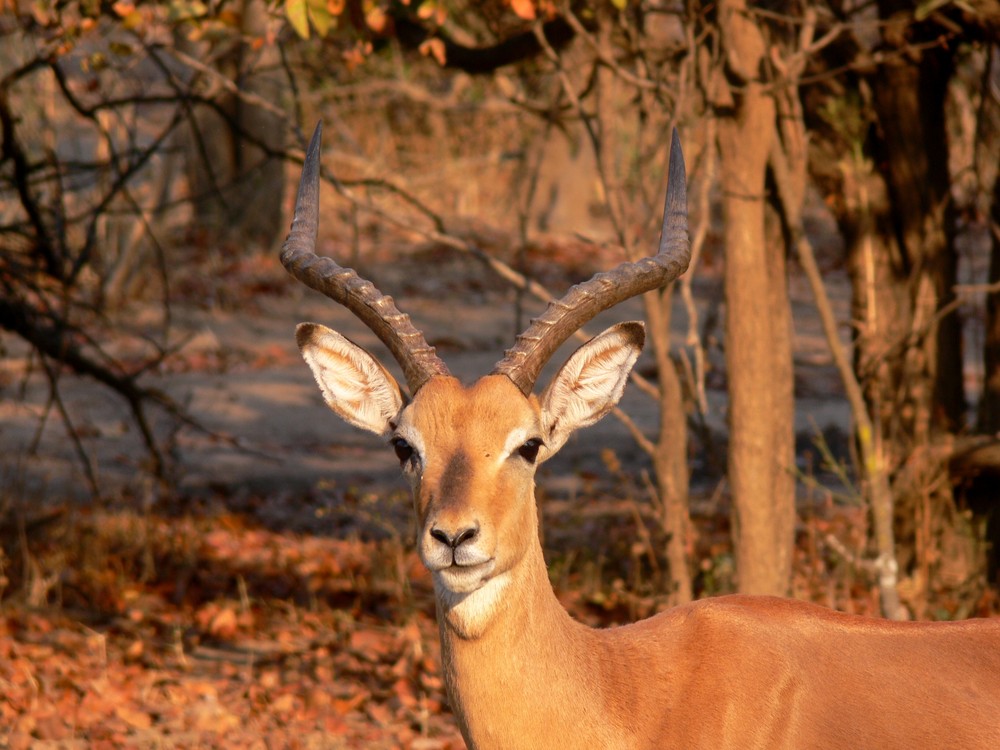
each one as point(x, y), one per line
point(533, 348)
point(343, 285)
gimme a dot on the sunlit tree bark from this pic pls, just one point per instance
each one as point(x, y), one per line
point(758, 340)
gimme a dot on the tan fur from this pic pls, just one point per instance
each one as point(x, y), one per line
point(733, 672)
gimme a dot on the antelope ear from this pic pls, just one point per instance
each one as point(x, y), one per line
point(354, 384)
point(590, 383)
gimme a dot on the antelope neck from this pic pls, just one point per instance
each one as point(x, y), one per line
point(531, 668)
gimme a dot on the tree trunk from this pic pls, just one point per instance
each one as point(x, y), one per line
point(789, 169)
point(897, 220)
point(670, 451)
point(911, 150)
point(783, 398)
point(757, 340)
point(881, 312)
point(988, 138)
point(236, 187)
point(989, 401)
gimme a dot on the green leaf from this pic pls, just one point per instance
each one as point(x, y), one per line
point(296, 11)
point(319, 14)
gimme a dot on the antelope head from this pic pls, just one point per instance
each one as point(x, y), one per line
point(470, 452)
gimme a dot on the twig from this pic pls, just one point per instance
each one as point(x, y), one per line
point(693, 339)
point(606, 60)
point(71, 431)
point(855, 561)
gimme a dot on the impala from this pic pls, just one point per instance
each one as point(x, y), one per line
point(732, 672)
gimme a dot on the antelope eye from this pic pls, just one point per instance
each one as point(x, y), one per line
point(404, 451)
point(529, 450)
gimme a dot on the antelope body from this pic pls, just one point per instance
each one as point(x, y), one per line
point(733, 672)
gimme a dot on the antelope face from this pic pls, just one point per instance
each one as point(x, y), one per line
point(470, 455)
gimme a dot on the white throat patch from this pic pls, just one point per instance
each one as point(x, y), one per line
point(471, 613)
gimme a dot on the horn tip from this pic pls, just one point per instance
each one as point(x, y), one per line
point(675, 227)
point(676, 170)
point(316, 140)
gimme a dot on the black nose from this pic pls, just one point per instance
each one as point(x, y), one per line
point(453, 541)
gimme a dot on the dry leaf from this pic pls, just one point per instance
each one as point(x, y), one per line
point(434, 47)
point(283, 704)
point(122, 8)
point(403, 691)
point(135, 650)
point(344, 706)
point(524, 9)
point(379, 713)
point(376, 19)
point(371, 645)
point(133, 717)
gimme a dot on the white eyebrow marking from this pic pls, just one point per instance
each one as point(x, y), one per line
point(514, 440)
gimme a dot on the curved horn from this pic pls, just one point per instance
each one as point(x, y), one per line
point(532, 349)
point(343, 285)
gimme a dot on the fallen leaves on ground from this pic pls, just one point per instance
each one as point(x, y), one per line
point(201, 655)
point(211, 629)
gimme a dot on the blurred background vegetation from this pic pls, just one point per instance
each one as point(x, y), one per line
point(148, 153)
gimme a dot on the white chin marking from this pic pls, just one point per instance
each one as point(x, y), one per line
point(470, 611)
point(462, 581)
